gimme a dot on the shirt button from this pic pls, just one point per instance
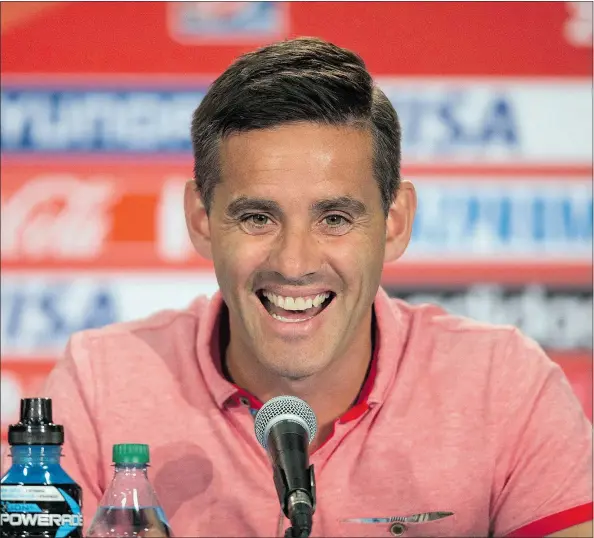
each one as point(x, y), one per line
point(398, 529)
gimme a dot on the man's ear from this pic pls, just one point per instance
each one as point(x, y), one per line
point(400, 221)
point(197, 220)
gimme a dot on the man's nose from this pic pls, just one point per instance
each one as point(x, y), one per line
point(296, 253)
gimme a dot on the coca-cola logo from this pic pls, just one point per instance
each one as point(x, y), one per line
point(57, 216)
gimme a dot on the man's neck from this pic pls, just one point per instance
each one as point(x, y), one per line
point(330, 393)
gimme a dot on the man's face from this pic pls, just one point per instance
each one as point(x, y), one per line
point(297, 238)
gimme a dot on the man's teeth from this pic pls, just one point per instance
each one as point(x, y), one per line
point(296, 303)
point(287, 320)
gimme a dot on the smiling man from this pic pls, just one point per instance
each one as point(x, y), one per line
point(299, 268)
point(429, 424)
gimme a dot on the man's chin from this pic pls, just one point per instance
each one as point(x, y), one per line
point(292, 369)
point(295, 377)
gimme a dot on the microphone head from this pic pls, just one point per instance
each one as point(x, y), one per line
point(283, 408)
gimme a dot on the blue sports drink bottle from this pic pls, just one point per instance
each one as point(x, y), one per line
point(37, 498)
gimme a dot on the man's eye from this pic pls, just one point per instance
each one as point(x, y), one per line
point(257, 220)
point(335, 221)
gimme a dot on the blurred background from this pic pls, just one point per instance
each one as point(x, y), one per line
point(495, 101)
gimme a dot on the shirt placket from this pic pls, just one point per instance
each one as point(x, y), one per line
point(242, 416)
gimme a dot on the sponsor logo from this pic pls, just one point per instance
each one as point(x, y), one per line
point(75, 216)
point(399, 524)
point(474, 121)
point(41, 316)
point(226, 22)
point(42, 520)
point(558, 319)
point(450, 121)
point(98, 121)
point(518, 219)
point(459, 121)
point(56, 216)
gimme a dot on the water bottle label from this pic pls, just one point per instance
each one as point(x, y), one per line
point(41, 510)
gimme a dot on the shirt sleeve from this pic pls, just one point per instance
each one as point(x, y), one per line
point(71, 388)
point(543, 474)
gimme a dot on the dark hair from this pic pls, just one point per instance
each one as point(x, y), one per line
point(299, 80)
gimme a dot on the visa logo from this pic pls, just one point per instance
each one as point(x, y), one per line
point(459, 119)
point(38, 317)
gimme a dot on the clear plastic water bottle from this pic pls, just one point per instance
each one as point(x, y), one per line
point(38, 498)
point(129, 506)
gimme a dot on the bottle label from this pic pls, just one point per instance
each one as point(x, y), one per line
point(53, 511)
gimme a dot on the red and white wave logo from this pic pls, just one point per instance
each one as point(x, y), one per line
point(56, 216)
point(118, 216)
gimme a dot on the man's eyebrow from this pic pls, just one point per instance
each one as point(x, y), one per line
point(340, 203)
point(244, 204)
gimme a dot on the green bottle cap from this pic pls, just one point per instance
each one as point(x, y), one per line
point(131, 453)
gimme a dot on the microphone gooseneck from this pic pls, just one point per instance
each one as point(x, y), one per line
point(285, 426)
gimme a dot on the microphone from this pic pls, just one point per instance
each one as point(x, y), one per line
point(285, 426)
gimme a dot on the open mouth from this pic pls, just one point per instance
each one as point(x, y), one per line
point(294, 309)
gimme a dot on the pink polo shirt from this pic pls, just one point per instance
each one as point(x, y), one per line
point(456, 416)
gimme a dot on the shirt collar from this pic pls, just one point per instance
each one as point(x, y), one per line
point(390, 331)
point(208, 351)
point(393, 327)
